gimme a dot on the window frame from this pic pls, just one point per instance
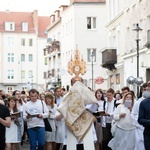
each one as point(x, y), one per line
point(23, 42)
point(30, 57)
point(22, 74)
point(10, 90)
point(10, 41)
point(9, 26)
point(22, 59)
point(10, 74)
point(10, 57)
point(93, 26)
point(25, 26)
point(30, 42)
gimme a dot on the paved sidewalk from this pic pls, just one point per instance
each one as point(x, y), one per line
point(25, 146)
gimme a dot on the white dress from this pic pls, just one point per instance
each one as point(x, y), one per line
point(60, 130)
point(139, 140)
point(124, 138)
point(50, 136)
point(60, 125)
point(13, 134)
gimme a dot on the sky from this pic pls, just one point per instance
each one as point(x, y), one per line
point(44, 7)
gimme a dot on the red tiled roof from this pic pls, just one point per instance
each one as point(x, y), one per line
point(44, 22)
point(17, 18)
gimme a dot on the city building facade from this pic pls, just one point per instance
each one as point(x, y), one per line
point(123, 17)
point(82, 28)
point(22, 38)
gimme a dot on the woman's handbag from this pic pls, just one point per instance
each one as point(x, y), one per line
point(46, 122)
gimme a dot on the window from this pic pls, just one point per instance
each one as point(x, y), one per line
point(30, 42)
point(9, 89)
point(22, 42)
point(10, 41)
point(10, 74)
point(117, 81)
point(24, 26)
point(22, 74)
point(10, 57)
point(45, 61)
point(45, 75)
point(148, 22)
point(117, 78)
point(9, 26)
point(30, 74)
point(111, 81)
point(24, 88)
point(91, 57)
point(91, 22)
point(30, 57)
point(22, 57)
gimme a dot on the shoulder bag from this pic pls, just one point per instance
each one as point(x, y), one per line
point(46, 122)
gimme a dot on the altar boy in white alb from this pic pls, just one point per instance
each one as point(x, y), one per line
point(78, 120)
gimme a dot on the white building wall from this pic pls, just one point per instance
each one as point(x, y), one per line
point(37, 65)
point(75, 17)
point(41, 67)
point(130, 13)
point(54, 60)
point(138, 12)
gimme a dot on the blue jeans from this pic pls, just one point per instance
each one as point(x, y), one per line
point(37, 138)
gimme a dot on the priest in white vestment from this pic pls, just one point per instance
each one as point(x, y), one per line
point(78, 120)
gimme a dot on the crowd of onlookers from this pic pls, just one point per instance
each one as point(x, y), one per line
point(119, 121)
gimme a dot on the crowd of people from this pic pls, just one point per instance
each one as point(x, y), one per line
point(122, 119)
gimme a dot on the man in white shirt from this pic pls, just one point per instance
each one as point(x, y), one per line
point(34, 113)
point(124, 90)
point(109, 107)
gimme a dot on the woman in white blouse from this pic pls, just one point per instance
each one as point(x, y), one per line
point(50, 136)
point(124, 138)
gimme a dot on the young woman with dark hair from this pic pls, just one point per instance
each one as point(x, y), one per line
point(13, 134)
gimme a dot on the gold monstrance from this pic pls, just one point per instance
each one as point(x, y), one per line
point(76, 65)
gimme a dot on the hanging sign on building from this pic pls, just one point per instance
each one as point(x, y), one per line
point(99, 80)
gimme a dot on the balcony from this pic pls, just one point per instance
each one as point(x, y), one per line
point(52, 48)
point(109, 58)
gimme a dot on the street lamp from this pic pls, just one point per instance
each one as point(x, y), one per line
point(92, 58)
point(137, 29)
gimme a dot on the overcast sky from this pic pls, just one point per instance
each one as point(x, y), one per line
point(44, 7)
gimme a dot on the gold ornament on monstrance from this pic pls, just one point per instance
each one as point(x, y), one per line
point(76, 65)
